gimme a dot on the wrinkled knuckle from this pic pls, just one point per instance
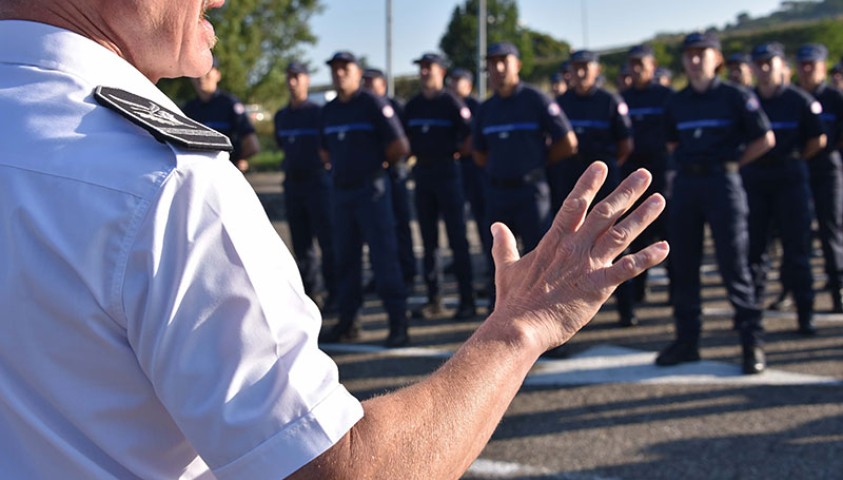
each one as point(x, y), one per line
point(629, 265)
point(619, 236)
point(603, 209)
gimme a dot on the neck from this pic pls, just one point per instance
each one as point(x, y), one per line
point(506, 90)
point(701, 84)
point(584, 89)
point(767, 90)
point(296, 102)
point(431, 91)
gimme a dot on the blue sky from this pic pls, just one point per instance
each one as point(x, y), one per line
point(359, 25)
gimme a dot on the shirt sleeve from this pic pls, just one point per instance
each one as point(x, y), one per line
point(218, 320)
point(554, 121)
point(278, 123)
point(619, 119)
point(671, 133)
point(241, 119)
point(387, 120)
point(811, 123)
point(462, 118)
point(754, 120)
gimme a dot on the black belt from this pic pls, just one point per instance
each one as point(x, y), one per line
point(302, 175)
point(352, 183)
point(531, 178)
point(699, 169)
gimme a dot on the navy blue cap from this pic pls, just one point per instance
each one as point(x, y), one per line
point(297, 67)
point(557, 78)
point(502, 49)
point(701, 40)
point(811, 52)
point(565, 66)
point(766, 51)
point(663, 72)
point(342, 56)
point(373, 73)
point(460, 73)
point(640, 51)
point(837, 68)
point(430, 58)
point(737, 58)
point(584, 56)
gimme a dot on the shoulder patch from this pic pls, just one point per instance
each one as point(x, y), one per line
point(388, 111)
point(164, 125)
point(553, 109)
point(752, 104)
point(239, 108)
point(816, 108)
point(623, 109)
point(465, 113)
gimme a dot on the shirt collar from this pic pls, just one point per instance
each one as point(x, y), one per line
point(51, 48)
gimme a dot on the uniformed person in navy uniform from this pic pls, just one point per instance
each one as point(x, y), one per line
point(307, 185)
point(518, 131)
point(475, 179)
point(664, 76)
point(714, 127)
point(835, 75)
point(604, 132)
point(738, 69)
point(825, 169)
point(646, 100)
point(558, 84)
point(374, 80)
point(224, 113)
point(777, 184)
point(361, 136)
point(438, 125)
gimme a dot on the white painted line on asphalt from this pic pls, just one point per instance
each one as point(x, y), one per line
point(818, 316)
point(612, 364)
point(490, 469)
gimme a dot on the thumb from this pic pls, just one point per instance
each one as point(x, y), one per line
point(504, 247)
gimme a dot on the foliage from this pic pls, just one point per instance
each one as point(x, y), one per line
point(257, 38)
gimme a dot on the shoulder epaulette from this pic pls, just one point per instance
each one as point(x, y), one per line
point(166, 126)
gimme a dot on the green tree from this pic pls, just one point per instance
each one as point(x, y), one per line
point(459, 42)
point(257, 38)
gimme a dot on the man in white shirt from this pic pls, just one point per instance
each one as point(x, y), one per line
point(153, 325)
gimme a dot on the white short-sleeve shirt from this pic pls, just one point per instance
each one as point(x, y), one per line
point(152, 323)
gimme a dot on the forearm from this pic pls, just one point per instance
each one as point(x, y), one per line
point(562, 148)
point(437, 427)
point(756, 148)
point(813, 146)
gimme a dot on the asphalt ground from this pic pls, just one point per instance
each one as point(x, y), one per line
point(604, 411)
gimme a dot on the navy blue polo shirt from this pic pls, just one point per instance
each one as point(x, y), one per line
point(356, 133)
point(436, 126)
point(513, 131)
point(646, 111)
point(297, 133)
point(831, 100)
point(795, 118)
point(714, 126)
point(224, 113)
point(599, 119)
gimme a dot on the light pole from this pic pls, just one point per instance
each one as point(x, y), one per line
point(482, 19)
point(390, 84)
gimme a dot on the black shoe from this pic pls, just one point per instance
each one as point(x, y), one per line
point(465, 311)
point(754, 361)
point(807, 329)
point(338, 333)
point(628, 321)
point(397, 339)
point(782, 302)
point(678, 352)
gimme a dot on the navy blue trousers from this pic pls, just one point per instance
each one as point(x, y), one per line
point(718, 199)
point(439, 194)
point(779, 195)
point(364, 214)
point(827, 188)
point(401, 211)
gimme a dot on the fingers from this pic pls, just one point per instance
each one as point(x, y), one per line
point(631, 265)
point(504, 246)
point(607, 212)
point(575, 206)
point(615, 240)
